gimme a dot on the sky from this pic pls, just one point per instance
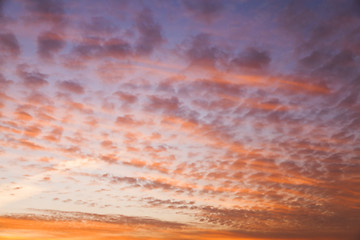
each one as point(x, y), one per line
point(180, 119)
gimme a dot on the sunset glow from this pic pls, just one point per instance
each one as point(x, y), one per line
point(180, 119)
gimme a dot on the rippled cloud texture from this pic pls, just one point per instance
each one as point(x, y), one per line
point(183, 119)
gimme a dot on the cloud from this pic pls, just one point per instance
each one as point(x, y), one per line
point(88, 48)
point(94, 48)
point(71, 86)
point(110, 158)
point(30, 145)
point(51, 11)
point(32, 131)
point(172, 204)
point(166, 185)
point(252, 59)
point(22, 115)
point(150, 35)
point(296, 16)
point(55, 134)
point(314, 60)
point(49, 43)
point(31, 79)
point(111, 218)
point(135, 163)
point(341, 64)
point(125, 97)
point(2, 5)
point(356, 7)
point(100, 25)
point(88, 225)
point(4, 83)
point(167, 105)
point(201, 52)
point(202, 123)
point(204, 10)
point(117, 48)
point(127, 121)
point(107, 144)
point(9, 45)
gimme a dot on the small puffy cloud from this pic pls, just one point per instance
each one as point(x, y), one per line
point(127, 120)
point(150, 35)
point(125, 97)
point(4, 83)
point(204, 10)
point(98, 48)
point(9, 44)
point(55, 134)
point(100, 25)
point(166, 105)
point(49, 43)
point(201, 52)
point(252, 59)
point(31, 79)
point(50, 11)
point(116, 48)
point(71, 86)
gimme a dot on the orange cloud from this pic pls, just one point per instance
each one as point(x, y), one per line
point(42, 228)
point(30, 145)
point(304, 86)
point(13, 228)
